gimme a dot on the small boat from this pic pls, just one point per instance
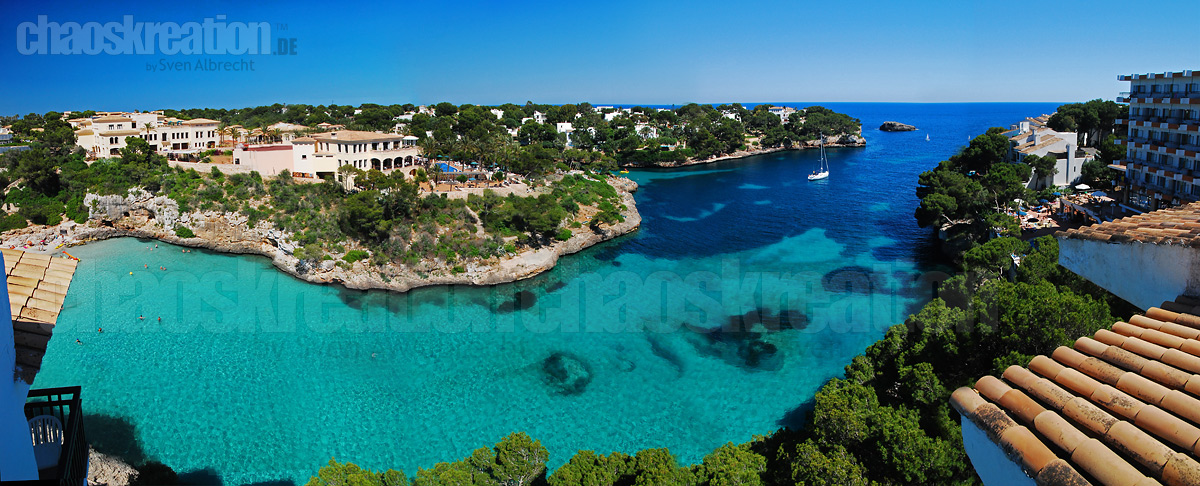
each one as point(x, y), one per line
point(926, 137)
point(823, 171)
point(624, 172)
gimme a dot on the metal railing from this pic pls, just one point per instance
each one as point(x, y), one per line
point(63, 404)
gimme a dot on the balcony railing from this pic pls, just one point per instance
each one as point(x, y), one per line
point(1161, 94)
point(63, 404)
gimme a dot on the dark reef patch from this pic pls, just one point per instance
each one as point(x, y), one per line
point(554, 286)
point(520, 300)
point(743, 340)
point(854, 279)
point(662, 351)
point(566, 373)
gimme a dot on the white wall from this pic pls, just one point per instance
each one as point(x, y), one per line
point(1144, 274)
point(16, 446)
point(990, 462)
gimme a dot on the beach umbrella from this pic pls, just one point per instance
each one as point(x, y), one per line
point(1100, 194)
point(1057, 194)
point(1043, 201)
point(1083, 187)
point(1022, 213)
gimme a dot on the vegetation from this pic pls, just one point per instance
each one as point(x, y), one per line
point(1093, 120)
point(967, 194)
point(381, 218)
point(599, 140)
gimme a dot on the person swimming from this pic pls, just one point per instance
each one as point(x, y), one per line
point(141, 318)
point(78, 341)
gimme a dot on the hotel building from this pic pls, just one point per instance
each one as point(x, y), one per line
point(104, 135)
point(322, 154)
point(1161, 162)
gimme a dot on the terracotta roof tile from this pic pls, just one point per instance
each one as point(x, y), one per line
point(1122, 406)
point(1173, 226)
point(37, 287)
point(1060, 473)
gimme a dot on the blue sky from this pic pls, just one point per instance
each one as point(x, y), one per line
point(644, 51)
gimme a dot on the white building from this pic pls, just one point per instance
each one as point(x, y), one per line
point(1033, 137)
point(783, 112)
point(499, 113)
point(1162, 159)
point(646, 131)
point(364, 151)
point(104, 134)
point(539, 117)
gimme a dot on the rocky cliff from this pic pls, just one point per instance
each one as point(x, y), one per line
point(143, 215)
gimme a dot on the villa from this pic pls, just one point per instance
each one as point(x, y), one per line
point(42, 440)
point(783, 112)
point(1032, 137)
point(322, 154)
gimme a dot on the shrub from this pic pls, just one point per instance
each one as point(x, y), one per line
point(355, 255)
point(184, 232)
point(12, 222)
point(563, 234)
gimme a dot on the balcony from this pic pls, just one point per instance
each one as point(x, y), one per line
point(63, 405)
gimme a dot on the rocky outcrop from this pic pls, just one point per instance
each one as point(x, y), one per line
point(891, 126)
point(106, 470)
point(139, 214)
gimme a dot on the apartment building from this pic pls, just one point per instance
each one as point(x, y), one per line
point(1163, 138)
point(104, 135)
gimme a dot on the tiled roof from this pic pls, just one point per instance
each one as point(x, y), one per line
point(37, 286)
point(1172, 226)
point(112, 119)
point(1120, 407)
point(355, 136)
point(201, 121)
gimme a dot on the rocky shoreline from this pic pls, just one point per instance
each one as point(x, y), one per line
point(141, 215)
point(855, 140)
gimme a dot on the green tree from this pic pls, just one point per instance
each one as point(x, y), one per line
point(809, 465)
point(732, 465)
point(362, 215)
point(1043, 166)
point(520, 460)
point(349, 474)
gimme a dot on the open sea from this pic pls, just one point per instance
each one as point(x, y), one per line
point(252, 376)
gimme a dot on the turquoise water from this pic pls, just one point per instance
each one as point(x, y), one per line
point(253, 376)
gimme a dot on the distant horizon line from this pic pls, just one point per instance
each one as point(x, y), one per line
point(623, 105)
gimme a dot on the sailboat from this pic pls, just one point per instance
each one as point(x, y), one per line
point(926, 137)
point(823, 172)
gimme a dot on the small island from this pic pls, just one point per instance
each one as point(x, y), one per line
point(893, 126)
